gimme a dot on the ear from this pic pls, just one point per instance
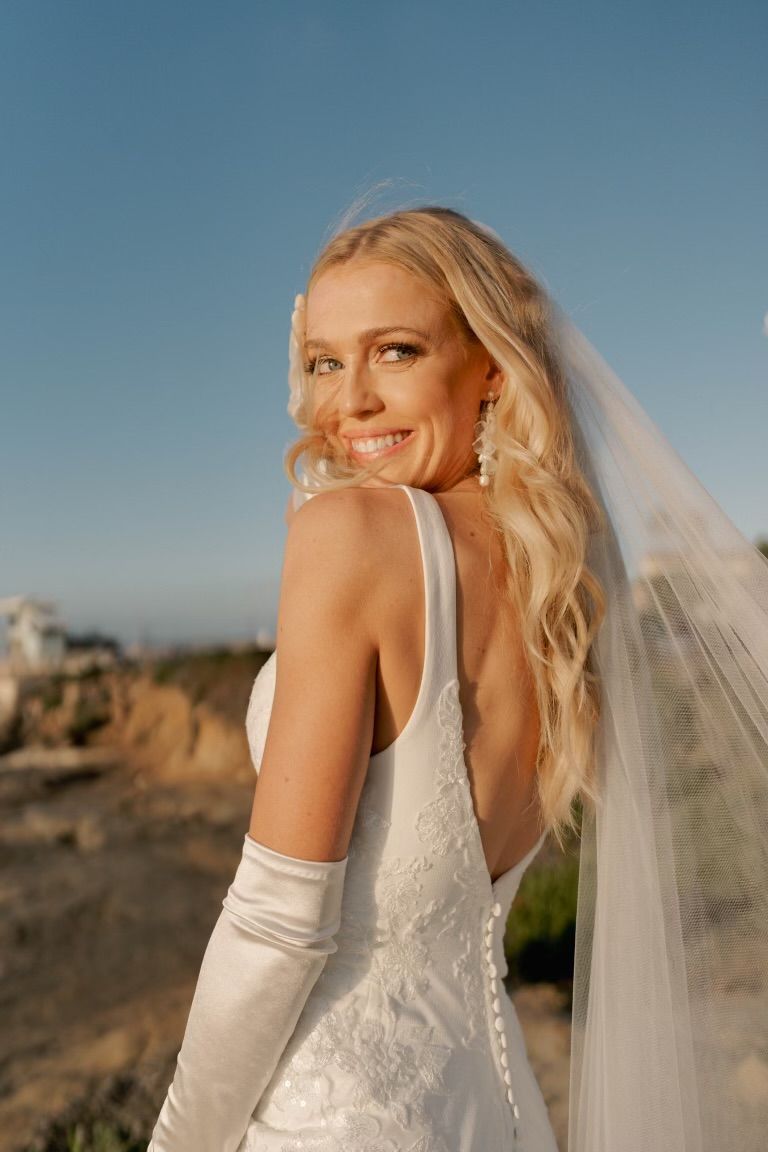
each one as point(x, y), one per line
point(494, 378)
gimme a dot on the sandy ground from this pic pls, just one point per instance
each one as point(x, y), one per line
point(110, 889)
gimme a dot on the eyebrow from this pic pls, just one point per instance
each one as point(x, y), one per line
point(372, 334)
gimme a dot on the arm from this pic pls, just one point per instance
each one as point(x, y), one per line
point(279, 917)
point(321, 726)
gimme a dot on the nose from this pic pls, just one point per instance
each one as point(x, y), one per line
point(358, 390)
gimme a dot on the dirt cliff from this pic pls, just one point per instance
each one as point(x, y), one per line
point(122, 816)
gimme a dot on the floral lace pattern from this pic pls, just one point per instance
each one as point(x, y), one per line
point(392, 1065)
point(459, 915)
point(394, 1073)
point(447, 823)
point(345, 1132)
point(351, 1132)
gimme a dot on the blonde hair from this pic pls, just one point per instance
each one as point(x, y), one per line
point(539, 500)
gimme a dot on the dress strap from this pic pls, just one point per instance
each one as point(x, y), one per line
point(439, 563)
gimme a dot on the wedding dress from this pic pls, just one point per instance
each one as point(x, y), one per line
point(408, 1041)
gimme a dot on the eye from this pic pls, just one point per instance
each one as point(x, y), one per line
point(320, 364)
point(406, 352)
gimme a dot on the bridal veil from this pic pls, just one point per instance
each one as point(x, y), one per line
point(669, 1049)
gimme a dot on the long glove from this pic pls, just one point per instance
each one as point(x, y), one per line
point(265, 954)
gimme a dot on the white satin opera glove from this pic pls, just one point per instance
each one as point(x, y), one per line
point(265, 954)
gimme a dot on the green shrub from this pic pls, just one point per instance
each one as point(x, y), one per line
point(164, 671)
point(102, 1138)
point(92, 1136)
point(541, 930)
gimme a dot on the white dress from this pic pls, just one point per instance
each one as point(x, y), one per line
point(408, 1041)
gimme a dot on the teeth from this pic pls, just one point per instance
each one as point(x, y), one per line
point(379, 443)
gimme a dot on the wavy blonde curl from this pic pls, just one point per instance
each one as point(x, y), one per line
point(539, 500)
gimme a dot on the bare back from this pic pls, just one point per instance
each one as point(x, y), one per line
point(501, 727)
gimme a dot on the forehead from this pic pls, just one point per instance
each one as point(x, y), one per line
point(362, 295)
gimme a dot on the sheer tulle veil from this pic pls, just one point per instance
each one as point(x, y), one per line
point(669, 1049)
point(670, 1016)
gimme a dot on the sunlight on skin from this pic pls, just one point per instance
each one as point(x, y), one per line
point(421, 375)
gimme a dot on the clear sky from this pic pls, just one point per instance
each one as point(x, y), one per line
point(170, 169)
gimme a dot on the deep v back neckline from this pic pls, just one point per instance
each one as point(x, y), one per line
point(438, 559)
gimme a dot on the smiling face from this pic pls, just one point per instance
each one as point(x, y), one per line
point(389, 357)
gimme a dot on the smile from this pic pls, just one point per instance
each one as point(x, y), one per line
point(376, 446)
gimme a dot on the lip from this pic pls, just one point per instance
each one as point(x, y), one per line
point(382, 451)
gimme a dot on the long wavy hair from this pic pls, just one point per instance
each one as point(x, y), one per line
point(539, 500)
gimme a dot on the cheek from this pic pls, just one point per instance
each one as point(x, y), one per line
point(447, 417)
point(325, 408)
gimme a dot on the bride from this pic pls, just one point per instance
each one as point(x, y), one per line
point(511, 612)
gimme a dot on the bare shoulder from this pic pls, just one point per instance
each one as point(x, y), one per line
point(363, 522)
point(351, 502)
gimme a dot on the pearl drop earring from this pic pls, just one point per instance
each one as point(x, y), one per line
point(484, 443)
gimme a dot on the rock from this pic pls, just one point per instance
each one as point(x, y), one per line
point(219, 746)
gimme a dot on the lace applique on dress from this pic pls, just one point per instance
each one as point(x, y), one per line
point(392, 1064)
point(403, 956)
point(451, 749)
point(431, 1143)
point(351, 1133)
point(395, 1072)
point(345, 1132)
point(447, 823)
point(459, 835)
point(467, 971)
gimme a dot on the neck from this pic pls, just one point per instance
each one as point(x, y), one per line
point(469, 483)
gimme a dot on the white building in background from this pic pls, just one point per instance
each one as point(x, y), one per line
point(36, 637)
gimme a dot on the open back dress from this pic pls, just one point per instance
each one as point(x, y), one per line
point(408, 1041)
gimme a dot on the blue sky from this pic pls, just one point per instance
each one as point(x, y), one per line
point(171, 169)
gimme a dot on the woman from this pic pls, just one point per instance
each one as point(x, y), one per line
point(444, 699)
